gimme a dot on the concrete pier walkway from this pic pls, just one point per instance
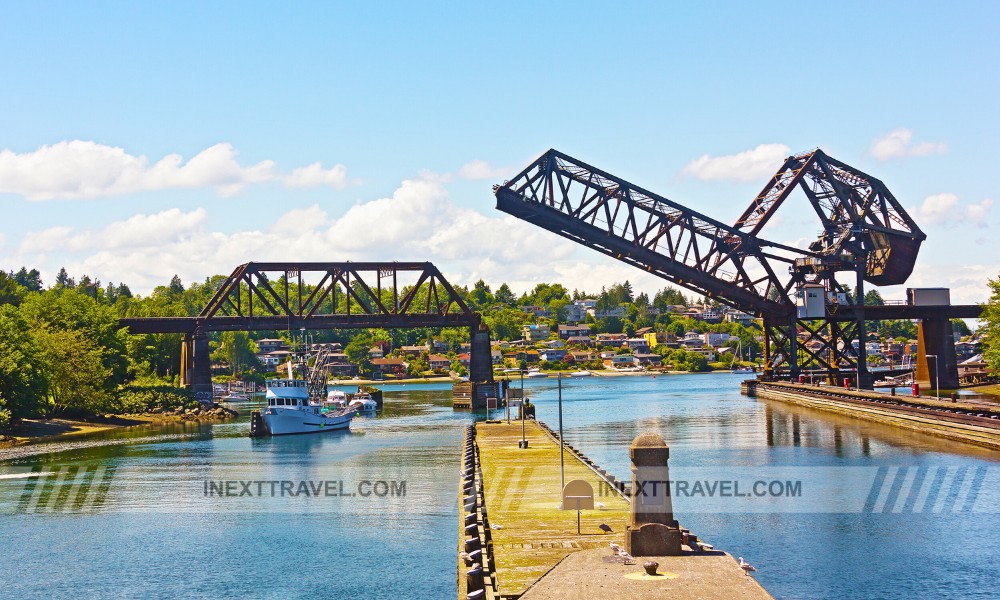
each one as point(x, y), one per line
point(537, 550)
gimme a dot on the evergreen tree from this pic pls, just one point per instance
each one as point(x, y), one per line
point(176, 288)
point(63, 279)
point(30, 280)
point(505, 296)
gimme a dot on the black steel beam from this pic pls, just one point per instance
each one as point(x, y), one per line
point(277, 323)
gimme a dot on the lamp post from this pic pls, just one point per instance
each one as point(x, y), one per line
point(562, 468)
point(937, 376)
point(523, 444)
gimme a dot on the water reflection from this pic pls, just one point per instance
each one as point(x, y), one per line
point(155, 521)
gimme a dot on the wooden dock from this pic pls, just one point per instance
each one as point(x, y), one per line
point(534, 546)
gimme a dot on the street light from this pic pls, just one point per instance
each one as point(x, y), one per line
point(524, 442)
point(937, 376)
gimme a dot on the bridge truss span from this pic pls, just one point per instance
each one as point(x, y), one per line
point(629, 223)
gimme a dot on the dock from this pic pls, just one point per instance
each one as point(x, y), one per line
point(962, 421)
point(531, 549)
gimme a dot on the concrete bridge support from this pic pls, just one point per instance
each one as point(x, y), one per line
point(196, 366)
point(935, 337)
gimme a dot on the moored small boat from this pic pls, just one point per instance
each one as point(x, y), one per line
point(363, 402)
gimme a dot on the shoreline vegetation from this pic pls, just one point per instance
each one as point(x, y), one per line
point(41, 431)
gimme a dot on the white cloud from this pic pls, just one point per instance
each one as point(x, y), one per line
point(480, 169)
point(946, 209)
point(315, 175)
point(85, 169)
point(898, 144)
point(749, 165)
point(417, 222)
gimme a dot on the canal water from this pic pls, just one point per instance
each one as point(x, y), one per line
point(858, 511)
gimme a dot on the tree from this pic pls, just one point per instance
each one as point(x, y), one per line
point(21, 383)
point(960, 328)
point(75, 375)
point(991, 326)
point(68, 309)
point(63, 279)
point(873, 298)
point(506, 323)
point(358, 351)
point(11, 292)
point(505, 296)
point(481, 296)
point(30, 280)
point(238, 350)
point(176, 288)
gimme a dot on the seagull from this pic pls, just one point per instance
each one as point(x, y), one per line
point(496, 526)
point(600, 506)
point(465, 557)
point(747, 567)
point(615, 548)
point(605, 528)
point(627, 558)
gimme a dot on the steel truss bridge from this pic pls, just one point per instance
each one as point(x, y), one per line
point(866, 234)
point(322, 295)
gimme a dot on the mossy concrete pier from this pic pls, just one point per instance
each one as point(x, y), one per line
point(973, 423)
point(511, 499)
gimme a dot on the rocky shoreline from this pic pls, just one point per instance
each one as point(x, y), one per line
point(41, 431)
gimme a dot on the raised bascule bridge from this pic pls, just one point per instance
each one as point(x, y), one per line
point(299, 296)
point(810, 320)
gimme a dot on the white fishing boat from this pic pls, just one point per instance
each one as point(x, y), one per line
point(535, 373)
point(363, 402)
point(581, 374)
point(289, 411)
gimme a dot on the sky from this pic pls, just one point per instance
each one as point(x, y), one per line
point(143, 140)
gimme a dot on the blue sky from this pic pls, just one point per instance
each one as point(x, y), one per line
point(142, 140)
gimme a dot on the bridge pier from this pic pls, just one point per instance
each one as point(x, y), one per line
point(936, 337)
point(196, 366)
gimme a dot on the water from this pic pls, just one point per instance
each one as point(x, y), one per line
point(155, 532)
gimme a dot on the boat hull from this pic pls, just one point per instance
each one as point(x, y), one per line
point(289, 422)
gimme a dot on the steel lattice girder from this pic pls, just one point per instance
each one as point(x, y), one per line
point(247, 300)
point(612, 216)
point(858, 213)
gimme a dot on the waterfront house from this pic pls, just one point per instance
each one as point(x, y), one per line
point(646, 359)
point(637, 344)
point(620, 361)
point(535, 332)
point(438, 362)
point(552, 354)
point(583, 357)
point(376, 352)
point(268, 345)
point(389, 366)
point(580, 340)
point(568, 331)
point(538, 311)
point(414, 350)
point(611, 339)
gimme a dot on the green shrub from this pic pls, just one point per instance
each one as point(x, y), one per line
point(4, 419)
point(140, 399)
